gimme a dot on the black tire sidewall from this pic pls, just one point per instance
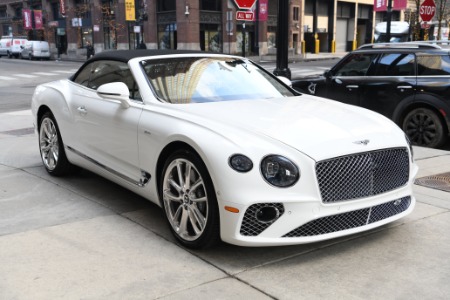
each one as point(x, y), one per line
point(440, 132)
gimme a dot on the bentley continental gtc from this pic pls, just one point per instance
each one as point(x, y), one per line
point(229, 151)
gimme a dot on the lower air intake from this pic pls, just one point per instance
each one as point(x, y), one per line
point(352, 219)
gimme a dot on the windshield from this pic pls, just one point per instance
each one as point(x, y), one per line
point(211, 79)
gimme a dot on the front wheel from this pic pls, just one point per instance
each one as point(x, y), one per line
point(189, 200)
point(424, 128)
point(52, 147)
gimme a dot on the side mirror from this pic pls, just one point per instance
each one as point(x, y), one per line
point(285, 80)
point(115, 90)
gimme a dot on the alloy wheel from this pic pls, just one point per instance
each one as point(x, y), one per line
point(49, 144)
point(185, 199)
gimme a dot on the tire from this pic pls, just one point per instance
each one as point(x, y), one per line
point(30, 57)
point(424, 128)
point(190, 205)
point(9, 55)
point(51, 147)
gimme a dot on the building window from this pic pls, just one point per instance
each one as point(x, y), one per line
point(165, 5)
point(210, 37)
point(167, 36)
point(295, 14)
point(213, 5)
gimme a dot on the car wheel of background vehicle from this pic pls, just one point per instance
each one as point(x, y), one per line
point(9, 55)
point(30, 57)
point(52, 147)
point(189, 200)
point(424, 128)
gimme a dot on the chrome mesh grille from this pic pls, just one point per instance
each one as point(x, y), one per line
point(251, 226)
point(362, 175)
point(352, 219)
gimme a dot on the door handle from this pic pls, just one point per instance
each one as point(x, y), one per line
point(404, 87)
point(82, 110)
point(352, 87)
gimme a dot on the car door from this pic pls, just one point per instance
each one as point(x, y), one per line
point(107, 131)
point(345, 79)
point(392, 81)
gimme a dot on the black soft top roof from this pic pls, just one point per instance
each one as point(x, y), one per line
point(126, 55)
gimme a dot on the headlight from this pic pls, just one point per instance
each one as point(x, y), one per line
point(410, 147)
point(279, 171)
point(240, 163)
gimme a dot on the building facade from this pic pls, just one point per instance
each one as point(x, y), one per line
point(209, 25)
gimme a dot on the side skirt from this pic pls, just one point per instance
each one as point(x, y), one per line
point(145, 177)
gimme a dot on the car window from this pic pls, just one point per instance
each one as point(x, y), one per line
point(207, 79)
point(432, 65)
point(107, 71)
point(83, 76)
point(356, 64)
point(396, 64)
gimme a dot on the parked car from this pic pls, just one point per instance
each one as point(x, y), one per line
point(35, 50)
point(11, 46)
point(228, 150)
point(407, 82)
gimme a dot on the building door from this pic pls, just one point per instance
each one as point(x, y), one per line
point(341, 35)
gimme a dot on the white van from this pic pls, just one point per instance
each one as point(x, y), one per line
point(35, 50)
point(11, 46)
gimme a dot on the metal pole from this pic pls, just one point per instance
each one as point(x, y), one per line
point(243, 39)
point(282, 68)
point(388, 21)
point(256, 46)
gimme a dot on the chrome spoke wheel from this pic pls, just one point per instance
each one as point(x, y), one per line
point(185, 199)
point(49, 143)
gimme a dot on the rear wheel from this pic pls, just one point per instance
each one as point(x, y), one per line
point(52, 147)
point(189, 200)
point(424, 128)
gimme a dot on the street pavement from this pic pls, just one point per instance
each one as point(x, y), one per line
point(83, 237)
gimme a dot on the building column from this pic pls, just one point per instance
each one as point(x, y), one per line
point(97, 20)
point(122, 33)
point(332, 26)
point(188, 25)
point(151, 26)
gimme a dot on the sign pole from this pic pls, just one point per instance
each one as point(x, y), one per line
point(388, 21)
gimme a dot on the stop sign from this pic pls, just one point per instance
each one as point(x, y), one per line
point(427, 10)
point(244, 4)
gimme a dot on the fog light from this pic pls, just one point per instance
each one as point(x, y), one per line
point(267, 214)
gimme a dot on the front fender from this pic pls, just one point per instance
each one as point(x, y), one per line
point(54, 96)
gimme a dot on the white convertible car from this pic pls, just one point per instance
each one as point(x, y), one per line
point(229, 151)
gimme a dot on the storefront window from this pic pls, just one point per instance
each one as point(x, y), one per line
point(87, 35)
point(211, 37)
point(167, 36)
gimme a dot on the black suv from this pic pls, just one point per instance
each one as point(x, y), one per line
point(407, 82)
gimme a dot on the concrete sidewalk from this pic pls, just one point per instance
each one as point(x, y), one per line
point(85, 237)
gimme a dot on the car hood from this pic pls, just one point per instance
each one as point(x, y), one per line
point(318, 127)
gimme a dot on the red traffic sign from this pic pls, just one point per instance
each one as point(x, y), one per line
point(244, 16)
point(244, 4)
point(427, 10)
